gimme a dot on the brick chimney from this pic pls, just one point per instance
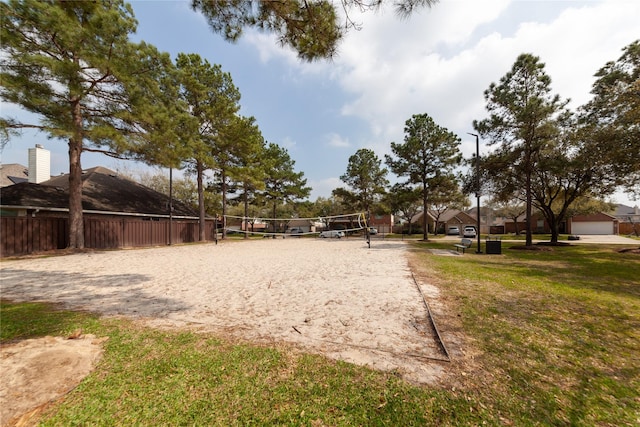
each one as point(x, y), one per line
point(39, 164)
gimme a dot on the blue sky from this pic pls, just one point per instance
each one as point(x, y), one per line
point(438, 62)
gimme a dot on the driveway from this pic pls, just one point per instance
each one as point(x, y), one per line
point(606, 239)
point(584, 238)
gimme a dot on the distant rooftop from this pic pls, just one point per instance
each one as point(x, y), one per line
point(622, 210)
point(102, 190)
point(13, 173)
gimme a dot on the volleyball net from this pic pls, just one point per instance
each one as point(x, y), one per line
point(268, 227)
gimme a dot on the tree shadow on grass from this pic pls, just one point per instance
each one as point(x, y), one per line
point(605, 271)
point(578, 267)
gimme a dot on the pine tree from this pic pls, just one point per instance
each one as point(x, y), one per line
point(522, 119)
point(72, 65)
point(429, 151)
point(366, 179)
point(213, 100)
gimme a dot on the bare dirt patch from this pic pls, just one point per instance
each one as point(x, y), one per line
point(36, 372)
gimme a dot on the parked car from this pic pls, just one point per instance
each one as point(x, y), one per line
point(332, 233)
point(453, 231)
point(296, 231)
point(373, 230)
point(469, 231)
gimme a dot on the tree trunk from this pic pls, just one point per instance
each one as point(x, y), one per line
point(425, 230)
point(275, 229)
point(529, 198)
point(76, 222)
point(554, 223)
point(246, 212)
point(554, 232)
point(529, 234)
point(201, 229)
point(223, 188)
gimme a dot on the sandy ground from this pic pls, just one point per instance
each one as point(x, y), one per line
point(336, 297)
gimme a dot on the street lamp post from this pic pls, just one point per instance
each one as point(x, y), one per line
point(478, 250)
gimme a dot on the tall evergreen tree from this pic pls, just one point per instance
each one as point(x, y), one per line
point(366, 179)
point(283, 184)
point(73, 66)
point(612, 118)
point(237, 155)
point(569, 171)
point(167, 130)
point(252, 174)
point(429, 151)
point(213, 100)
point(522, 119)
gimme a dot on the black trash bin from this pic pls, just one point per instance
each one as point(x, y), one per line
point(493, 245)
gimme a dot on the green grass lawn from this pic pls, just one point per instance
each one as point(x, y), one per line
point(537, 338)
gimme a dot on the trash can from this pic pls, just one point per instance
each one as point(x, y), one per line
point(493, 245)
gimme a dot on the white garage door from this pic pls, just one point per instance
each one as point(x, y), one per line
point(594, 227)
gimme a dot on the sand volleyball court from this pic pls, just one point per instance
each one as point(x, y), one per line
point(336, 297)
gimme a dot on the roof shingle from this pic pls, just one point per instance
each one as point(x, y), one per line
point(102, 190)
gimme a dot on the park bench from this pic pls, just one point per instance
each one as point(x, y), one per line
point(464, 245)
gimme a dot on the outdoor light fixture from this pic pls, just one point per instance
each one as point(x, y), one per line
point(478, 250)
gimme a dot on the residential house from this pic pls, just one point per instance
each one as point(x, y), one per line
point(628, 219)
point(117, 213)
point(596, 223)
point(454, 218)
point(488, 219)
point(382, 222)
point(416, 223)
point(304, 225)
point(104, 192)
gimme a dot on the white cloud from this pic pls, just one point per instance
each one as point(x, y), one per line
point(336, 140)
point(271, 51)
point(580, 41)
point(395, 69)
point(267, 46)
point(324, 187)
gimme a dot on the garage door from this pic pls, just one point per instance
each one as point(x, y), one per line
point(592, 227)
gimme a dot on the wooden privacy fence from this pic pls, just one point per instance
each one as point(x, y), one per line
point(27, 235)
point(628, 228)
